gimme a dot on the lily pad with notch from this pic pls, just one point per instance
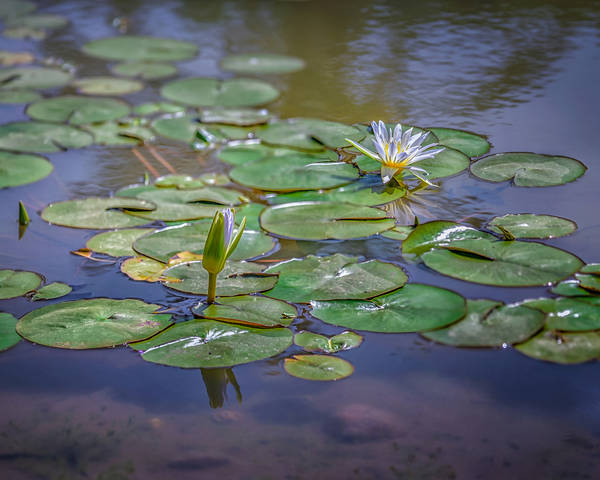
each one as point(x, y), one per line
point(8, 336)
point(262, 63)
point(313, 342)
point(562, 347)
point(471, 144)
point(15, 283)
point(252, 212)
point(143, 269)
point(528, 225)
point(18, 169)
point(185, 128)
point(51, 291)
point(569, 314)
point(117, 243)
point(439, 233)
point(42, 137)
point(241, 117)
point(33, 78)
point(141, 48)
point(126, 132)
point(144, 70)
point(318, 367)
point(570, 288)
point(107, 85)
point(77, 110)
point(245, 153)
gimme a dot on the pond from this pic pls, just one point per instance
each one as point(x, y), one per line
point(524, 77)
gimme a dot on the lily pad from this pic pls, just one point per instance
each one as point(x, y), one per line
point(150, 108)
point(94, 323)
point(96, 213)
point(9, 58)
point(107, 86)
point(318, 367)
point(528, 169)
point(39, 20)
point(470, 144)
point(242, 117)
point(25, 33)
point(333, 277)
point(42, 137)
point(570, 288)
point(181, 182)
point(116, 243)
point(206, 344)
point(446, 163)
point(210, 92)
point(141, 48)
point(593, 268)
point(122, 132)
point(19, 96)
point(14, 8)
point(77, 110)
point(33, 77)
point(569, 314)
point(439, 233)
point(565, 348)
point(261, 63)
point(589, 282)
point(285, 174)
point(490, 324)
point(184, 128)
point(324, 220)
point(399, 232)
point(244, 154)
point(143, 269)
point(16, 283)
point(145, 70)
point(249, 310)
point(527, 225)
point(312, 342)
point(504, 264)
point(237, 278)
point(251, 211)
point(412, 308)
point(8, 336)
point(17, 169)
point(51, 291)
point(309, 134)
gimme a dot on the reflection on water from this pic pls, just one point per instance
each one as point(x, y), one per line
point(216, 381)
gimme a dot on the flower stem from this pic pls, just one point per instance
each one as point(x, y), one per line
point(212, 287)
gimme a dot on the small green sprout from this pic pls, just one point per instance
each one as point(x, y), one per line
point(23, 215)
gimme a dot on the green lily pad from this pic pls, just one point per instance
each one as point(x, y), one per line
point(237, 278)
point(490, 324)
point(96, 212)
point(252, 152)
point(206, 344)
point(324, 220)
point(439, 233)
point(210, 92)
point(150, 108)
point(589, 282)
point(94, 323)
point(285, 174)
point(309, 134)
point(252, 212)
point(19, 96)
point(570, 288)
point(593, 268)
point(504, 264)
point(184, 127)
point(143, 269)
point(141, 48)
point(312, 342)
point(17, 169)
point(15, 283)
point(107, 86)
point(52, 290)
point(117, 243)
point(39, 20)
point(528, 169)
point(412, 308)
point(180, 182)
point(122, 132)
point(163, 244)
point(145, 70)
point(178, 205)
point(527, 225)
point(77, 110)
point(42, 137)
point(446, 163)
point(470, 144)
point(333, 277)
point(8, 336)
point(399, 232)
point(318, 367)
point(15, 8)
point(242, 117)
point(249, 310)
point(33, 77)
point(565, 348)
point(261, 63)
point(569, 314)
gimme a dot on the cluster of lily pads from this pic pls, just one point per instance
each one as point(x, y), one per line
point(308, 182)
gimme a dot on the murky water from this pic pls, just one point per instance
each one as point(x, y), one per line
point(525, 75)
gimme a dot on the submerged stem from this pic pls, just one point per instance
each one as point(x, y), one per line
point(212, 287)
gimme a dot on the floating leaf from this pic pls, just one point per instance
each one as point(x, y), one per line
point(333, 277)
point(250, 310)
point(96, 212)
point(446, 163)
point(569, 314)
point(8, 335)
point(141, 48)
point(439, 233)
point(122, 132)
point(18, 96)
point(237, 278)
point(528, 169)
point(318, 367)
point(593, 268)
point(77, 110)
point(33, 77)
point(25, 32)
point(309, 134)
point(470, 144)
point(206, 343)
point(324, 220)
point(94, 323)
point(527, 225)
point(16, 283)
point(242, 117)
point(312, 342)
point(17, 169)
point(257, 63)
point(42, 137)
point(246, 153)
point(209, 92)
point(184, 128)
point(399, 232)
point(504, 264)
point(251, 211)
point(8, 58)
point(116, 243)
point(143, 269)
point(145, 70)
point(490, 324)
point(150, 108)
point(107, 86)
point(181, 182)
point(412, 308)
point(570, 288)
point(15, 8)
point(52, 290)
point(39, 20)
point(566, 348)
point(589, 282)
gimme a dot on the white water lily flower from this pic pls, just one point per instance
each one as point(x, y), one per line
point(397, 151)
